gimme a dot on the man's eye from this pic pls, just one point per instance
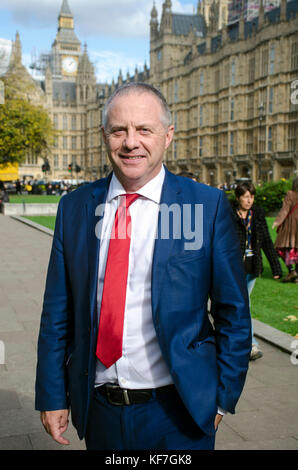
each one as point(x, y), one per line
point(145, 131)
point(118, 132)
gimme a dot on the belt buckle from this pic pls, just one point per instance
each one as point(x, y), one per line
point(126, 397)
point(124, 391)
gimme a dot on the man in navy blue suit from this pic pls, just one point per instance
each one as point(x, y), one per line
point(178, 370)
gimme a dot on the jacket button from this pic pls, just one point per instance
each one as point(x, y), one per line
point(86, 372)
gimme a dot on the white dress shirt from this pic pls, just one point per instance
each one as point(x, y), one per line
point(141, 364)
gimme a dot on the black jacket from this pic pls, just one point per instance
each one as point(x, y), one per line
point(261, 240)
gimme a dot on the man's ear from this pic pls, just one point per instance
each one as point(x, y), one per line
point(104, 135)
point(169, 136)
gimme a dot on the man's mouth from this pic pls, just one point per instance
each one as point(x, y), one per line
point(132, 157)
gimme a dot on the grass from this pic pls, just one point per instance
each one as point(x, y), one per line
point(45, 220)
point(271, 301)
point(32, 198)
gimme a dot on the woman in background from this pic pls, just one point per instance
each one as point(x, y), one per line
point(286, 242)
point(254, 236)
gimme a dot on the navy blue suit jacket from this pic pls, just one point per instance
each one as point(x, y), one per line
point(208, 363)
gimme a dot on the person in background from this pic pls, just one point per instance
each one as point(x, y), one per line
point(28, 187)
point(49, 189)
point(254, 237)
point(3, 196)
point(18, 187)
point(286, 242)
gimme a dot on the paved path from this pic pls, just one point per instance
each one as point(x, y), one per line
point(267, 413)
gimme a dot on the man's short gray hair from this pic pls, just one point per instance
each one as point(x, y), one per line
point(138, 87)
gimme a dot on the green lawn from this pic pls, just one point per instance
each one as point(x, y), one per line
point(271, 301)
point(45, 220)
point(32, 198)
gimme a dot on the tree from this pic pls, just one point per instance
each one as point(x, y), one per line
point(24, 128)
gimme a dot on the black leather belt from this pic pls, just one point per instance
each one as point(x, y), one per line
point(124, 396)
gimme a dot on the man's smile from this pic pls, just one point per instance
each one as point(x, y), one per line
point(132, 157)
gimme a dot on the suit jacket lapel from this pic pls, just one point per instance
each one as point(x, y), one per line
point(95, 213)
point(163, 246)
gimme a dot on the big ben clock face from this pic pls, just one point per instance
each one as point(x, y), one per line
point(69, 65)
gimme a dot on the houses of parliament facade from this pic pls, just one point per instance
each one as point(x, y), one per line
point(232, 89)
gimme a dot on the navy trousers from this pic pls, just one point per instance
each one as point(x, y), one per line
point(162, 423)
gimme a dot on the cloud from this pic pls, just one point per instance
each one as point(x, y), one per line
point(108, 63)
point(32, 13)
point(116, 31)
point(122, 18)
point(116, 18)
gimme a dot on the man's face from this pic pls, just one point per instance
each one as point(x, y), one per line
point(136, 138)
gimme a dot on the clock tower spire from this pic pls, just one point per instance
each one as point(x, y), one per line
point(65, 17)
point(66, 48)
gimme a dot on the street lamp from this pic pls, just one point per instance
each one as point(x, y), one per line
point(261, 116)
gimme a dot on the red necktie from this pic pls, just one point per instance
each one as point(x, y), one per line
point(110, 329)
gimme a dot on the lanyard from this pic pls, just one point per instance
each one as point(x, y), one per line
point(248, 225)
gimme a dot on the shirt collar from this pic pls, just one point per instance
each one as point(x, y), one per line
point(151, 190)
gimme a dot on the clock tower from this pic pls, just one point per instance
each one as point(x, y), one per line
point(66, 48)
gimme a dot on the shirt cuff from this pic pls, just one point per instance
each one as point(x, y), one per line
point(220, 411)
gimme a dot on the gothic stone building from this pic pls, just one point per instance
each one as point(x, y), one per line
point(230, 87)
point(74, 101)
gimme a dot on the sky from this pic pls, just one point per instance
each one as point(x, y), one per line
point(116, 31)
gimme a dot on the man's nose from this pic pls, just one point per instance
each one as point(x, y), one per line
point(131, 140)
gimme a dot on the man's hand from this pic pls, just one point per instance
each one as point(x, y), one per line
point(217, 420)
point(55, 423)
